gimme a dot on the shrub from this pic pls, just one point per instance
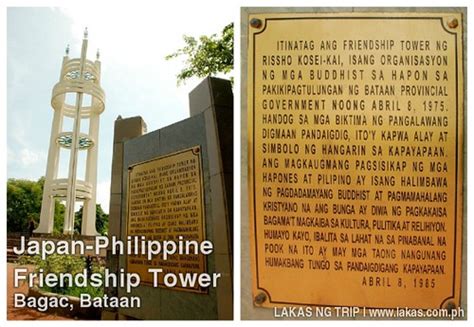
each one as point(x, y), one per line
point(60, 263)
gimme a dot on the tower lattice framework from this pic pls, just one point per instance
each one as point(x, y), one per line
point(79, 77)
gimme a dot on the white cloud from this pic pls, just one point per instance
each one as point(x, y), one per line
point(28, 157)
point(23, 162)
point(103, 195)
point(11, 156)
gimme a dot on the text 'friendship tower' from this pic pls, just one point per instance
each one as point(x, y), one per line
point(77, 95)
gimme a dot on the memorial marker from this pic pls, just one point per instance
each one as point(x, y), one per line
point(166, 202)
point(170, 183)
point(356, 158)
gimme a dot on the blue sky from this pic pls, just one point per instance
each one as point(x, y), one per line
point(136, 78)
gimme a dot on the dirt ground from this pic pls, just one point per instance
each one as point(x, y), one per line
point(23, 313)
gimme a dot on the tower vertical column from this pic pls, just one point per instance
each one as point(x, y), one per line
point(46, 222)
point(71, 191)
point(47, 206)
point(89, 209)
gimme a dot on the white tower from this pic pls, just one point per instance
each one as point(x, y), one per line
point(79, 77)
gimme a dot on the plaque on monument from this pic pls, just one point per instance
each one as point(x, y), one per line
point(356, 158)
point(166, 203)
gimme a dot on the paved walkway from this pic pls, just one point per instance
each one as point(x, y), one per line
point(24, 313)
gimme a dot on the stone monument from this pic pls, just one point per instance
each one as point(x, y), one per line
point(170, 183)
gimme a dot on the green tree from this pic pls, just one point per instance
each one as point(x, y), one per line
point(23, 203)
point(101, 221)
point(207, 55)
point(24, 199)
point(59, 212)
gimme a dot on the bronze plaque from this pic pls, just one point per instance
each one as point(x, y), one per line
point(166, 201)
point(356, 158)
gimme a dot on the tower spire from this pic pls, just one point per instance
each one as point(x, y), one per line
point(86, 33)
